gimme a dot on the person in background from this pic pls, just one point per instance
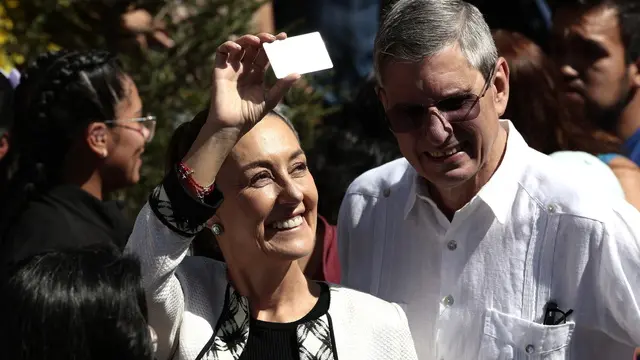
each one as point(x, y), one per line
point(495, 252)
point(321, 265)
point(78, 135)
point(347, 27)
point(77, 304)
point(246, 178)
point(596, 44)
point(6, 123)
point(539, 110)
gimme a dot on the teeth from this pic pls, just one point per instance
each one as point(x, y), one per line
point(439, 154)
point(289, 223)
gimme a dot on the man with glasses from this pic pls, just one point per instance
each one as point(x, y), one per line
point(493, 251)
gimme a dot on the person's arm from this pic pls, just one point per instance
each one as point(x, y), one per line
point(628, 174)
point(161, 237)
point(263, 20)
point(175, 212)
point(616, 261)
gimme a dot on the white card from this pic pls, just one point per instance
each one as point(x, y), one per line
point(300, 54)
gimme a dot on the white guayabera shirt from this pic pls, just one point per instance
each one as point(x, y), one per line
point(476, 287)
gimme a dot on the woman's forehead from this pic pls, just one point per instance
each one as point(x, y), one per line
point(269, 140)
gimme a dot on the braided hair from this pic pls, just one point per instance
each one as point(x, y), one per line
point(59, 95)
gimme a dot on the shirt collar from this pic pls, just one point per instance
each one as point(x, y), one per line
point(498, 193)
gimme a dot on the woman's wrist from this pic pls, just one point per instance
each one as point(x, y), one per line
point(211, 148)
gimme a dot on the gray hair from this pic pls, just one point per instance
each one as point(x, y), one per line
point(279, 112)
point(412, 30)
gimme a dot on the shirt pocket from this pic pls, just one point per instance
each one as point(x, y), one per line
point(506, 337)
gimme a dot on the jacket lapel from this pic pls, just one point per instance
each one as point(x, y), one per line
point(232, 334)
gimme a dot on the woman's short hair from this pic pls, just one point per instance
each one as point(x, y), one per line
point(205, 243)
point(75, 304)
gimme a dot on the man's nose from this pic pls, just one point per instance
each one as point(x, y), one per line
point(435, 127)
point(568, 71)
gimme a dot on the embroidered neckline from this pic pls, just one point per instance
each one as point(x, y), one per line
point(232, 333)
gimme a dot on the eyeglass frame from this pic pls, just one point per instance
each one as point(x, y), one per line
point(148, 118)
point(485, 88)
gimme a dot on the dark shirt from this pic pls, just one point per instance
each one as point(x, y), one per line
point(277, 341)
point(65, 217)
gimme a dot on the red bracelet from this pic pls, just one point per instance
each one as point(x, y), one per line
point(185, 173)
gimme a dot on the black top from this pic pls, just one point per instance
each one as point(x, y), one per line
point(65, 217)
point(278, 341)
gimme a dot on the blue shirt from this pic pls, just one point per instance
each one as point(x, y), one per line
point(348, 28)
point(632, 147)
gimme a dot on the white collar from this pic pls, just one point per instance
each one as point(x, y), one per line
point(498, 193)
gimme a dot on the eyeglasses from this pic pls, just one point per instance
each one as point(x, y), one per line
point(454, 109)
point(146, 126)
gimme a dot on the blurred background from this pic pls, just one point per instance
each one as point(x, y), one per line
point(168, 47)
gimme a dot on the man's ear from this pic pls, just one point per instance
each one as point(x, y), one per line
point(634, 73)
point(5, 143)
point(97, 139)
point(382, 95)
point(501, 85)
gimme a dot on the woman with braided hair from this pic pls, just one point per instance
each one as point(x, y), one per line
point(79, 133)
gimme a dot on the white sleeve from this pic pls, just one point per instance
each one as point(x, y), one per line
point(160, 252)
point(357, 246)
point(404, 341)
point(618, 276)
point(345, 225)
point(161, 237)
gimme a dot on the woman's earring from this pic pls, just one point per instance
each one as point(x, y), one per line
point(217, 229)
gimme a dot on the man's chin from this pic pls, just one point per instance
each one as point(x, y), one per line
point(575, 98)
point(450, 179)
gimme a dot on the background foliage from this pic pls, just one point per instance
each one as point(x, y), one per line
point(173, 83)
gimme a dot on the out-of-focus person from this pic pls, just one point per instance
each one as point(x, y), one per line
point(552, 125)
point(6, 123)
point(75, 304)
point(596, 44)
point(348, 28)
point(79, 134)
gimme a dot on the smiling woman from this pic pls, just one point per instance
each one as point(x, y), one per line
point(259, 305)
point(78, 135)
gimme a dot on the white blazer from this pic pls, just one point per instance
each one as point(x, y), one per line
point(186, 297)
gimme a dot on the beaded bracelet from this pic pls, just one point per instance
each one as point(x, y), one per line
point(185, 173)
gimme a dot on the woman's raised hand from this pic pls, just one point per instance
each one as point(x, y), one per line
point(239, 96)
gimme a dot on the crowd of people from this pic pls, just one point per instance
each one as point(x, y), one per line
point(509, 227)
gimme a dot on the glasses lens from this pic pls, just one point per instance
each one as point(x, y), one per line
point(467, 109)
point(453, 110)
point(405, 120)
point(149, 125)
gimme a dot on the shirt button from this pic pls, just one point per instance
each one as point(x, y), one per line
point(551, 208)
point(386, 192)
point(447, 300)
point(530, 349)
point(452, 245)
